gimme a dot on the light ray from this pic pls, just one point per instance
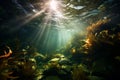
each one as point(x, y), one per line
point(56, 30)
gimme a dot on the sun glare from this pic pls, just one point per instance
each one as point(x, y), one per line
point(53, 5)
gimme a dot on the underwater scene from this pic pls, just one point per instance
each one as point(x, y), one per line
point(59, 40)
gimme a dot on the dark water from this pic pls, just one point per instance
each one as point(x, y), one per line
point(59, 39)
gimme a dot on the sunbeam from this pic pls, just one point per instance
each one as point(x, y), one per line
point(55, 29)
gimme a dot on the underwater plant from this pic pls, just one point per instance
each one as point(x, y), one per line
point(5, 68)
point(78, 73)
point(5, 51)
point(102, 47)
point(18, 64)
